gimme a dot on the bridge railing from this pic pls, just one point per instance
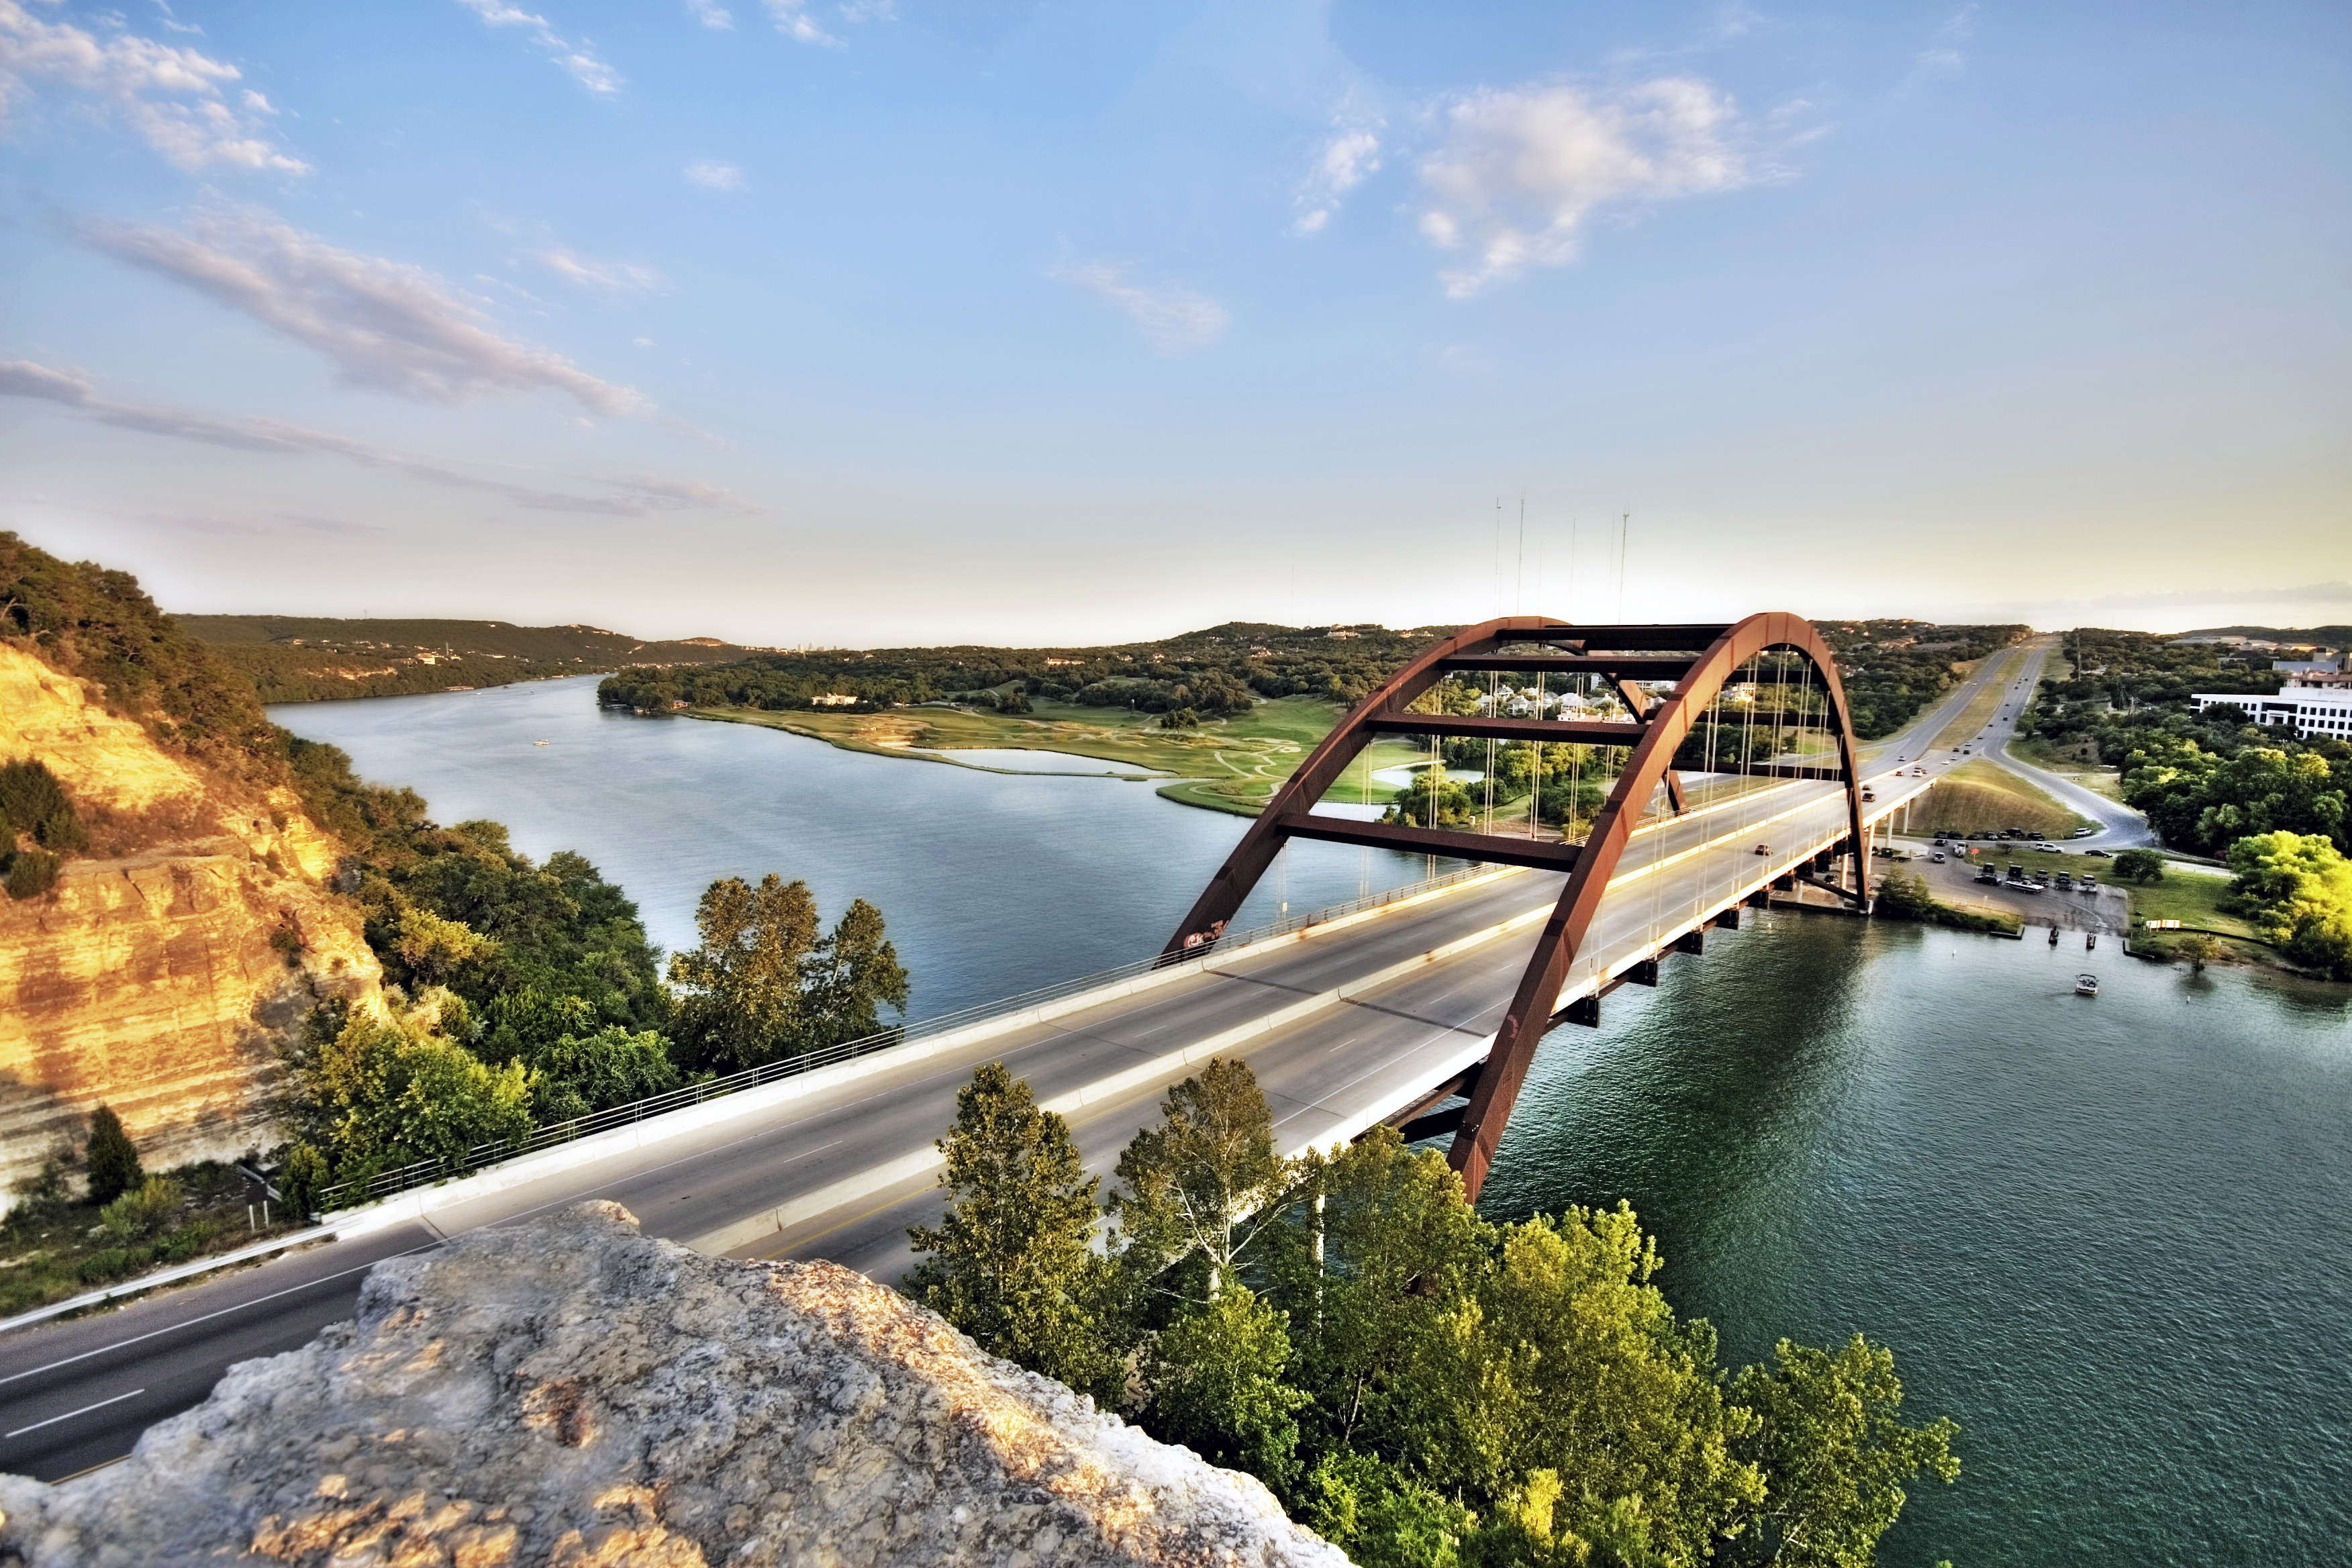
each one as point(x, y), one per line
point(426, 1172)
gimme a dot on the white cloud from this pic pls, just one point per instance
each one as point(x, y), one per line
point(615, 277)
point(716, 176)
point(633, 494)
point(1519, 169)
point(1944, 55)
point(792, 20)
point(386, 324)
point(173, 24)
point(577, 60)
point(169, 96)
point(710, 13)
point(1346, 160)
point(1175, 320)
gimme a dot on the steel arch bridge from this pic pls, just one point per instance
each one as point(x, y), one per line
point(1626, 660)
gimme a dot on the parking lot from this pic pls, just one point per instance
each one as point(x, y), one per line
point(2104, 909)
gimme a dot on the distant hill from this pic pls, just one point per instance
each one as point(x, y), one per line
point(2323, 636)
point(305, 659)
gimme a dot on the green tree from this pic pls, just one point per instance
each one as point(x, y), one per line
point(851, 977)
point(112, 1160)
point(2199, 948)
point(301, 1176)
point(578, 1074)
point(431, 949)
point(389, 1091)
point(33, 801)
point(2298, 889)
point(2139, 865)
point(1835, 1455)
point(1381, 1517)
point(1563, 1357)
point(1433, 800)
point(31, 872)
point(763, 985)
point(1378, 1243)
point(142, 1211)
point(1217, 1383)
point(741, 1004)
point(1905, 896)
point(1205, 1181)
point(1011, 1264)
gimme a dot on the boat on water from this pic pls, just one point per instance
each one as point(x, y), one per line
point(2086, 985)
point(539, 742)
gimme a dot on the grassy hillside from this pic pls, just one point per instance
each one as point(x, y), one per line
point(302, 658)
point(1978, 797)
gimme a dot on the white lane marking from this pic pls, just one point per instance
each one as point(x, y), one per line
point(71, 1414)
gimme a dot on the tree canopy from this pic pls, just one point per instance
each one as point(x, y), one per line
point(2297, 887)
point(1422, 1386)
point(1011, 1264)
point(763, 985)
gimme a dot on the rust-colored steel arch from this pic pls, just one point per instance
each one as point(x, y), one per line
point(1529, 1014)
point(1700, 660)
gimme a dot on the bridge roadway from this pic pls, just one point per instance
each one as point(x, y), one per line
point(1345, 1026)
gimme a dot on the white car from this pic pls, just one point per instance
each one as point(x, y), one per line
point(2047, 848)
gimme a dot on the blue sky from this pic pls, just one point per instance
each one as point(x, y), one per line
point(905, 320)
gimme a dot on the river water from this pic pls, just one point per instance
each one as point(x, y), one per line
point(2107, 1237)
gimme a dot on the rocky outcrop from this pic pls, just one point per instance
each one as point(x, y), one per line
point(573, 1393)
point(158, 981)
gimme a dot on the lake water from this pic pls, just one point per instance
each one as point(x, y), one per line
point(2107, 1237)
point(991, 884)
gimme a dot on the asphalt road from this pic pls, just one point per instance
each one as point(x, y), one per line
point(842, 1170)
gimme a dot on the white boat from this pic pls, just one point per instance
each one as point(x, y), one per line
point(2086, 985)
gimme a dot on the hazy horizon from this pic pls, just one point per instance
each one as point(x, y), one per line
point(855, 324)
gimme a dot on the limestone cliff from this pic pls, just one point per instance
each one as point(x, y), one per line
point(573, 1393)
point(148, 978)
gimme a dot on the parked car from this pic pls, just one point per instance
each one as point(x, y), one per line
point(2082, 832)
point(1763, 849)
point(2047, 848)
point(2087, 883)
point(2100, 853)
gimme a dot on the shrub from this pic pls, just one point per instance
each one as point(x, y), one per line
point(32, 872)
point(144, 1212)
point(2139, 865)
point(301, 1178)
point(33, 801)
point(113, 1158)
point(41, 1198)
point(100, 1267)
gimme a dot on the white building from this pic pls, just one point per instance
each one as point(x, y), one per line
point(2305, 711)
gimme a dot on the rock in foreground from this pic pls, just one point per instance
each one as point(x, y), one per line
point(575, 1393)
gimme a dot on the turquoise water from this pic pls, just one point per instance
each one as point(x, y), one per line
point(2107, 1237)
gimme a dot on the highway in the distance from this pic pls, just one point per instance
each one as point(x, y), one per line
point(1342, 1027)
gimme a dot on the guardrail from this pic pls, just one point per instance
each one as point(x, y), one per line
point(425, 1172)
